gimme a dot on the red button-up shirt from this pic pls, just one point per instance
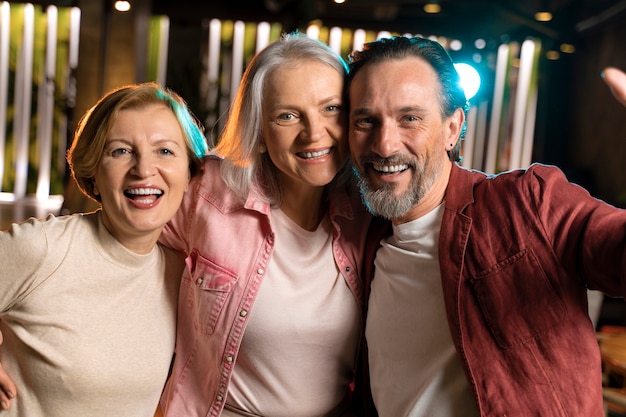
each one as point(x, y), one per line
point(517, 253)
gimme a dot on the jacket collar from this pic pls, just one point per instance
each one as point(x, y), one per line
point(460, 190)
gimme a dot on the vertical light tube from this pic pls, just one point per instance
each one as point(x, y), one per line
point(45, 105)
point(467, 146)
point(164, 41)
point(215, 28)
point(528, 140)
point(334, 40)
point(521, 102)
point(359, 39)
point(70, 86)
point(237, 68)
point(74, 36)
point(496, 110)
point(23, 91)
point(213, 65)
point(479, 137)
point(262, 36)
point(313, 32)
point(5, 25)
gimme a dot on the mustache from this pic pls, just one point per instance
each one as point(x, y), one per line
point(395, 159)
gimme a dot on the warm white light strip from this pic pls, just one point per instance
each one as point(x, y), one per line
point(213, 65)
point(313, 32)
point(45, 105)
point(496, 112)
point(479, 137)
point(358, 40)
point(23, 90)
point(5, 25)
point(529, 128)
point(215, 28)
point(70, 86)
point(262, 35)
point(334, 39)
point(74, 36)
point(467, 146)
point(237, 68)
point(527, 55)
point(164, 40)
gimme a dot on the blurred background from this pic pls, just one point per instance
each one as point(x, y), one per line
point(540, 96)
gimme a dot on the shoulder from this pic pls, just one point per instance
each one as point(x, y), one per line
point(55, 228)
point(36, 247)
point(210, 186)
point(519, 187)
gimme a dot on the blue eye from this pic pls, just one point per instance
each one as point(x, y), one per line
point(119, 152)
point(286, 118)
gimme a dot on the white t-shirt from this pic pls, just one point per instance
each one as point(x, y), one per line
point(298, 351)
point(414, 368)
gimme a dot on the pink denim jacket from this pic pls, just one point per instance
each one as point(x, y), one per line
point(517, 252)
point(228, 243)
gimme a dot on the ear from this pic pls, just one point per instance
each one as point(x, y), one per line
point(454, 126)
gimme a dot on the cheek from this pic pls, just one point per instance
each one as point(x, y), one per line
point(356, 141)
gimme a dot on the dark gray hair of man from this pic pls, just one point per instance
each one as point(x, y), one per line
point(245, 167)
point(451, 93)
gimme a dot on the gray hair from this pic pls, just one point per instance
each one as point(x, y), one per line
point(244, 168)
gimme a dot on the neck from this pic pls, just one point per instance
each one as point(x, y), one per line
point(305, 208)
point(433, 198)
point(140, 244)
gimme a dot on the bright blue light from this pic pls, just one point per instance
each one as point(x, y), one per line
point(470, 79)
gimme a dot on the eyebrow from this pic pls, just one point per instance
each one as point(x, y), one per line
point(359, 111)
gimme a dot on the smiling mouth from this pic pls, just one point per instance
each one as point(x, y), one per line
point(390, 169)
point(313, 155)
point(143, 195)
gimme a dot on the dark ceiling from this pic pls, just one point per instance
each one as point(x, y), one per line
point(461, 19)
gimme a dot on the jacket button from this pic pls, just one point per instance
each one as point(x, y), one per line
point(243, 313)
point(260, 271)
point(220, 398)
point(229, 359)
point(347, 269)
point(199, 281)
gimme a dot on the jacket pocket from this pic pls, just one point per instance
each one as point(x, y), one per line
point(517, 299)
point(209, 288)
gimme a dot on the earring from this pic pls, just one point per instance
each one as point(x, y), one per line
point(262, 148)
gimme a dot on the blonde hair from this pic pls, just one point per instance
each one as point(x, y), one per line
point(91, 134)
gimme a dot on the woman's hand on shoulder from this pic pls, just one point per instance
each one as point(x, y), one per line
point(7, 386)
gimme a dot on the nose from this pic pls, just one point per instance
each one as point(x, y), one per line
point(314, 128)
point(385, 141)
point(144, 166)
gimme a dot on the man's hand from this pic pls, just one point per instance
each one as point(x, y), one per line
point(7, 386)
point(616, 80)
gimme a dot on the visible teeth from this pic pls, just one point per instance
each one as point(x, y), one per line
point(390, 168)
point(315, 154)
point(144, 191)
point(144, 201)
